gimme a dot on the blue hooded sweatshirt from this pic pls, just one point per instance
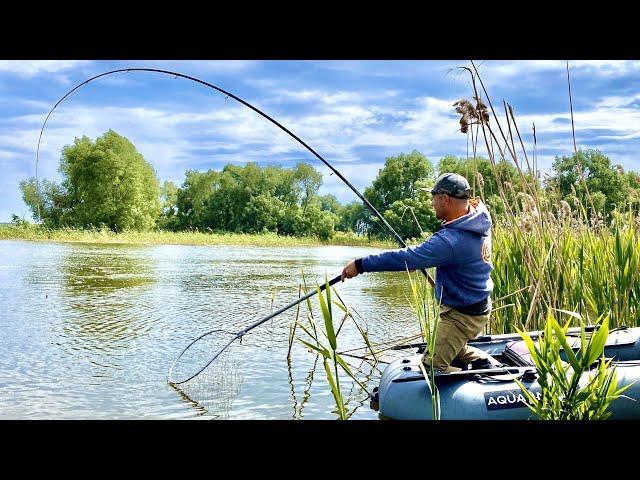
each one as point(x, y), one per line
point(461, 253)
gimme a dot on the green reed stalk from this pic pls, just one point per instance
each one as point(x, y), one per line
point(427, 309)
point(571, 390)
point(325, 342)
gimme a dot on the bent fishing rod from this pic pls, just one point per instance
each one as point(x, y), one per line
point(371, 208)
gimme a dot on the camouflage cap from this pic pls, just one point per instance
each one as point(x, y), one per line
point(452, 184)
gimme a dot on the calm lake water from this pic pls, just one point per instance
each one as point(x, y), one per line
point(90, 331)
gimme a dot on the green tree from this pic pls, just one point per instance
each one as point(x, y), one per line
point(49, 204)
point(104, 183)
point(309, 180)
point(110, 183)
point(496, 206)
point(396, 180)
point(315, 222)
point(633, 180)
point(599, 176)
point(354, 218)
point(169, 206)
point(395, 194)
point(250, 198)
point(169, 197)
point(412, 217)
point(263, 213)
point(193, 198)
point(330, 203)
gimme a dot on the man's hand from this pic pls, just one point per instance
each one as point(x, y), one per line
point(349, 271)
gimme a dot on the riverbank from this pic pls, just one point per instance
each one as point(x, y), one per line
point(161, 237)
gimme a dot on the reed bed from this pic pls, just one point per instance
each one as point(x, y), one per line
point(567, 267)
point(547, 254)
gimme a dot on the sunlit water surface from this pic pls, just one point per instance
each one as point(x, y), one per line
point(90, 331)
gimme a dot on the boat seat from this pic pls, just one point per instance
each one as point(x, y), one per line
point(517, 352)
point(480, 364)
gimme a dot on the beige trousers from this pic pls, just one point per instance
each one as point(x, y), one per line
point(454, 329)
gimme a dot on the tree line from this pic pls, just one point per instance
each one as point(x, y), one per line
point(109, 183)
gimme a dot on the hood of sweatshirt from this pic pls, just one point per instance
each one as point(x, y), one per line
point(478, 221)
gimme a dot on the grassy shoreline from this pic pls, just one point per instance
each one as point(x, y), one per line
point(161, 237)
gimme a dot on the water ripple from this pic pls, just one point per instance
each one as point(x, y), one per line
point(89, 331)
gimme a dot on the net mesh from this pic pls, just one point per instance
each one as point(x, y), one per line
point(208, 373)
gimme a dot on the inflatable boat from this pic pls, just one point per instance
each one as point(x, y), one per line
point(492, 393)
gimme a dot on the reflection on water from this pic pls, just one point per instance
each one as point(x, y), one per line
point(96, 270)
point(89, 331)
point(104, 295)
point(298, 404)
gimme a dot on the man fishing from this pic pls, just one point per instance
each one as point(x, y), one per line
point(461, 253)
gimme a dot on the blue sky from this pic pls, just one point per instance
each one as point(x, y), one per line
point(354, 113)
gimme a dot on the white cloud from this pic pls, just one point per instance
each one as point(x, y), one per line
point(433, 117)
point(316, 96)
point(625, 121)
point(614, 101)
point(327, 97)
point(629, 136)
point(503, 73)
point(496, 73)
point(400, 68)
point(334, 131)
point(606, 68)
point(216, 66)
point(162, 136)
point(500, 69)
point(262, 83)
point(30, 68)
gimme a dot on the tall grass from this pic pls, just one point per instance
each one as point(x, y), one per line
point(162, 237)
point(569, 266)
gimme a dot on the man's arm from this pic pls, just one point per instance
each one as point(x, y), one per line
point(435, 252)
